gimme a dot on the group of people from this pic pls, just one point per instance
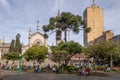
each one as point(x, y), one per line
point(84, 71)
point(37, 69)
point(107, 68)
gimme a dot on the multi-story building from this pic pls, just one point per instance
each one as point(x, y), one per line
point(94, 19)
point(107, 35)
point(116, 39)
point(4, 47)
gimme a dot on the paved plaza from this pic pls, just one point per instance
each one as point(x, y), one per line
point(8, 75)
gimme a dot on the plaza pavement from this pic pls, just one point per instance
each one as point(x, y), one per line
point(9, 75)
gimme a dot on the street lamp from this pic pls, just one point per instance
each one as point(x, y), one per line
point(19, 63)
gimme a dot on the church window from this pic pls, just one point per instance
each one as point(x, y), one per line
point(37, 43)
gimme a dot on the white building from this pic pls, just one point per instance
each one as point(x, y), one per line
point(38, 39)
point(35, 38)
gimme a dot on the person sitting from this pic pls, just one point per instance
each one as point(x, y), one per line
point(35, 69)
point(108, 69)
point(80, 71)
point(86, 71)
point(54, 69)
point(38, 69)
point(24, 68)
point(48, 67)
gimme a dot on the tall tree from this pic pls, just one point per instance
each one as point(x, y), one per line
point(71, 21)
point(63, 22)
point(18, 45)
point(12, 46)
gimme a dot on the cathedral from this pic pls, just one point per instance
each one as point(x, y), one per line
point(33, 38)
point(36, 38)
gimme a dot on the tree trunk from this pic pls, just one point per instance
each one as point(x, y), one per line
point(66, 62)
point(59, 63)
point(13, 62)
point(111, 62)
point(65, 35)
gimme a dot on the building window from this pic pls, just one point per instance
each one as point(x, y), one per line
point(37, 43)
point(1, 50)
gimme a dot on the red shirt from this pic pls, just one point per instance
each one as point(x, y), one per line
point(86, 69)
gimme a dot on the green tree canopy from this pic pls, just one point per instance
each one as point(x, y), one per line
point(71, 48)
point(12, 46)
point(37, 53)
point(11, 56)
point(60, 56)
point(105, 51)
point(18, 45)
point(15, 45)
point(62, 22)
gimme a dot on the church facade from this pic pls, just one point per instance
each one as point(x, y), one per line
point(36, 38)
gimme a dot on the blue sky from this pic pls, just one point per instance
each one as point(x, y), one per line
point(16, 16)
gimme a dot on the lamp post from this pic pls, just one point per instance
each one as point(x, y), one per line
point(19, 63)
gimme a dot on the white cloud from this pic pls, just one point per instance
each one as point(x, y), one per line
point(5, 5)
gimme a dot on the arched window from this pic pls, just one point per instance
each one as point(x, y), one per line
point(37, 43)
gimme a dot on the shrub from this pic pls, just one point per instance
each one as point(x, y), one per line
point(100, 68)
point(71, 68)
